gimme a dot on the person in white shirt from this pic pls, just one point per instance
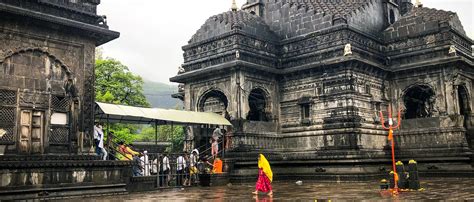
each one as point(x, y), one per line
point(154, 166)
point(180, 166)
point(193, 161)
point(100, 138)
point(217, 133)
point(164, 170)
point(97, 128)
point(145, 164)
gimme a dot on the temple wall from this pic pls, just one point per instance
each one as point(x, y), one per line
point(27, 53)
point(344, 107)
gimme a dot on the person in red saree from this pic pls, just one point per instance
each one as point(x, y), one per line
point(265, 176)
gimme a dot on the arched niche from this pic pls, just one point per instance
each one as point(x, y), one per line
point(41, 70)
point(258, 105)
point(213, 101)
point(463, 100)
point(419, 101)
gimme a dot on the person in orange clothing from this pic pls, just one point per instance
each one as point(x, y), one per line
point(217, 166)
point(265, 176)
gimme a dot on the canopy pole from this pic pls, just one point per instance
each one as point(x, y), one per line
point(172, 127)
point(156, 132)
point(207, 135)
point(108, 126)
point(223, 143)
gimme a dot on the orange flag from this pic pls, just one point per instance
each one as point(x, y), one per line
point(390, 134)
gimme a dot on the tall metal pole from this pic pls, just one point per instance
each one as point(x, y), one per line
point(390, 137)
point(156, 132)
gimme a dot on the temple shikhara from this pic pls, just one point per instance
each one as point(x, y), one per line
point(304, 81)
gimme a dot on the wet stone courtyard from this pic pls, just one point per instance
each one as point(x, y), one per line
point(435, 189)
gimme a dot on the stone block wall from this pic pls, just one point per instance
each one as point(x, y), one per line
point(35, 64)
point(58, 176)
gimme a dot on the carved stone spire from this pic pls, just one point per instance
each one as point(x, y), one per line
point(234, 6)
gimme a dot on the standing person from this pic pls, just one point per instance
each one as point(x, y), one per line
point(193, 161)
point(214, 148)
point(97, 133)
point(137, 169)
point(102, 148)
point(145, 164)
point(265, 176)
point(155, 166)
point(164, 170)
point(217, 133)
point(180, 165)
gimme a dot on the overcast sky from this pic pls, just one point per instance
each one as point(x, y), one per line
point(152, 32)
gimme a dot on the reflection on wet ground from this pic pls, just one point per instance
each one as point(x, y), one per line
point(435, 189)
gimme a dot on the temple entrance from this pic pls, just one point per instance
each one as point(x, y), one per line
point(419, 102)
point(465, 111)
point(31, 132)
point(213, 101)
point(463, 100)
point(257, 104)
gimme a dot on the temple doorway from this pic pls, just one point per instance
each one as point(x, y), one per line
point(257, 105)
point(31, 132)
point(419, 102)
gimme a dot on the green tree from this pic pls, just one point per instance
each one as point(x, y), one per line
point(116, 84)
point(166, 133)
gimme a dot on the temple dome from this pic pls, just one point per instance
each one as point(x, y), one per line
point(421, 19)
point(232, 20)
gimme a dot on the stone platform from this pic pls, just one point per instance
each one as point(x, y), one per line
point(51, 176)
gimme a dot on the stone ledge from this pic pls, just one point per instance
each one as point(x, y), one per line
point(61, 192)
point(61, 164)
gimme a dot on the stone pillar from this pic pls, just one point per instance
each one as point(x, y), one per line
point(450, 98)
point(188, 98)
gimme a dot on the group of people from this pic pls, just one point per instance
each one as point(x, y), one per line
point(187, 166)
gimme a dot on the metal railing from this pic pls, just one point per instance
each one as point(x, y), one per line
point(152, 165)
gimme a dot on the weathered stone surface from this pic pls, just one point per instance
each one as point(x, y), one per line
point(325, 105)
point(46, 66)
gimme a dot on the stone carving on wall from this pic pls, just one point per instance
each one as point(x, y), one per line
point(181, 69)
point(452, 50)
point(347, 49)
point(34, 99)
point(70, 88)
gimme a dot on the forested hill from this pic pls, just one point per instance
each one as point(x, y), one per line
point(159, 95)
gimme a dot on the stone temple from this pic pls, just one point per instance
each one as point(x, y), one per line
point(47, 99)
point(303, 82)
